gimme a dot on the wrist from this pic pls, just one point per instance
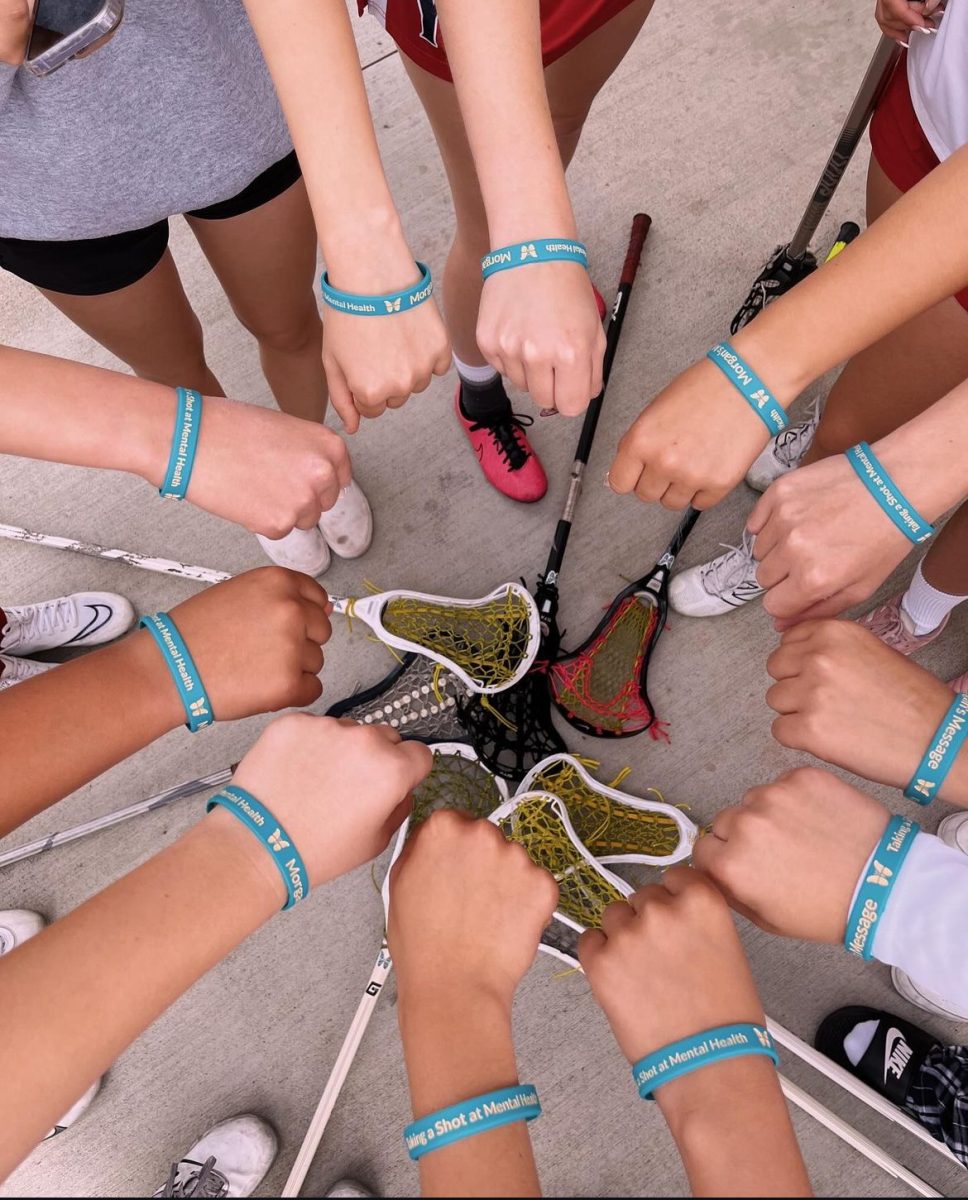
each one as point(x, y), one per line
point(143, 660)
point(928, 469)
point(228, 842)
point(369, 255)
point(151, 430)
point(718, 1095)
point(781, 373)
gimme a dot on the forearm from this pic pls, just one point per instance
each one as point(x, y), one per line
point(65, 727)
point(457, 1048)
point(733, 1131)
point(313, 59)
point(74, 997)
point(912, 257)
point(67, 412)
point(504, 106)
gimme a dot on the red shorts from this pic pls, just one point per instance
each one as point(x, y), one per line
point(898, 143)
point(413, 26)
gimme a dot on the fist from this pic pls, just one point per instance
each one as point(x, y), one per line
point(257, 641)
point(789, 855)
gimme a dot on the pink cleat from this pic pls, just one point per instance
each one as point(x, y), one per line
point(505, 454)
point(892, 625)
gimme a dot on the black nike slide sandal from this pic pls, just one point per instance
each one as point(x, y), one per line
point(891, 1061)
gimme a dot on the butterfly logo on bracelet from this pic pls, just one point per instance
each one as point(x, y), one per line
point(763, 1038)
point(199, 708)
point(278, 842)
point(392, 305)
point(881, 874)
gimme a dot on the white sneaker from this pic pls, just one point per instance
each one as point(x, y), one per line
point(348, 525)
point(348, 1189)
point(783, 452)
point(300, 550)
point(231, 1159)
point(953, 831)
point(718, 586)
point(931, 1002)
point(16, 670)
point(82, 619)
point(17, 925)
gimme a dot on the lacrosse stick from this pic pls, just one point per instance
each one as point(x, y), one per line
point(457, 780)
point(514, 732)
point(180, 791)
point(793, 262)
point(600, 688)
point(416, 698)
point(613, 826)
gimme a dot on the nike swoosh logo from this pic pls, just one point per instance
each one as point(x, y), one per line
point(893, 1037)
point(96, 622)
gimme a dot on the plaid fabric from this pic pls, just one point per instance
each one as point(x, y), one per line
point(938, 1098)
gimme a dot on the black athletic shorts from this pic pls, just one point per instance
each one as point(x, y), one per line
point(96, 266)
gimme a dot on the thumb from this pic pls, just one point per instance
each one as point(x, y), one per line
point(419, 761)
point(761, 513)
point(625, 470)
point(341, 396)
point(590, 945)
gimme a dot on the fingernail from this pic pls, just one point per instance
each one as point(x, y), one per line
point(608, 483)
point(549, 412)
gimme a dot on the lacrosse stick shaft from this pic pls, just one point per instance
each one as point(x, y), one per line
point(850, 1083)
point(641, 223)
point(876, 78)
point(853, 1137)
point(164, 566)
point(180, 791)
point(337, 1077)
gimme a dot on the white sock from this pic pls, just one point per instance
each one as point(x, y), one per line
point(925, 606)
point(475, 375)
point(859, 1038)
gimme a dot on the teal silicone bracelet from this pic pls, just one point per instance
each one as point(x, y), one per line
point(188, 420)
point(941, 753)
point(255, 816)
point(877, 883)
point(198, 707)
point(542, 250)
point(379, 306)
point(749, 385)
point(890, 497)
point(479, 1115)
point(700, 1050)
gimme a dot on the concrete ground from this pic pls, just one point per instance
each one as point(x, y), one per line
point(717, 125)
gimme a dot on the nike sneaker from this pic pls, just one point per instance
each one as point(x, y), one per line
point(81, 619)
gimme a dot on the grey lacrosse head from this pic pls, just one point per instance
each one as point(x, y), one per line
point(418, 699)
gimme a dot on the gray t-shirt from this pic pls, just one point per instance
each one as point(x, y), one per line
point(175, 112)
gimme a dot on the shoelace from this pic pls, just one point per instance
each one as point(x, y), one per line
point(55, 616)
point(730, 570)
point(505, 430)
point(206, 1181)
point(789, 448)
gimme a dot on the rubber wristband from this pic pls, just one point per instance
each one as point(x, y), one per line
point(887, 494)
point(256, 817)
point(876, 884)
point(941, 753)
point(198, 707)
point(522, 253)
point(749, 385)
point(479, 1115)
point(700, 1050)
point(184, 443)
point(385, 305)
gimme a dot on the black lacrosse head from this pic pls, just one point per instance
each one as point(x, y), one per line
point(418, 699)
point(779, 275)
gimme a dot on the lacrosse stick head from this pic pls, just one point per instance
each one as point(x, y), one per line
point(489, 643)
point(457, 780)
point(614, 826)
point(512, 731)
point(540, 823)
point(781, 273)
point(418, 699)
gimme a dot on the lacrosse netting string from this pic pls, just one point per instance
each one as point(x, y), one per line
point(599, 684)
point(418, 699)
point(488, 643)
point(457, 780)
point(614, 826)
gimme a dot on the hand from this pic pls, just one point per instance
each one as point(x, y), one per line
point(256, 641)
point(852, 701)
point(539, 326)
point(692, 445)
point(467, 909)
point(340, 789)
point(789, 855)
point(823, 543)
point(897, 18)
point(651, 963)
point(300, 466)
point(376, 363)
point(15, 22)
